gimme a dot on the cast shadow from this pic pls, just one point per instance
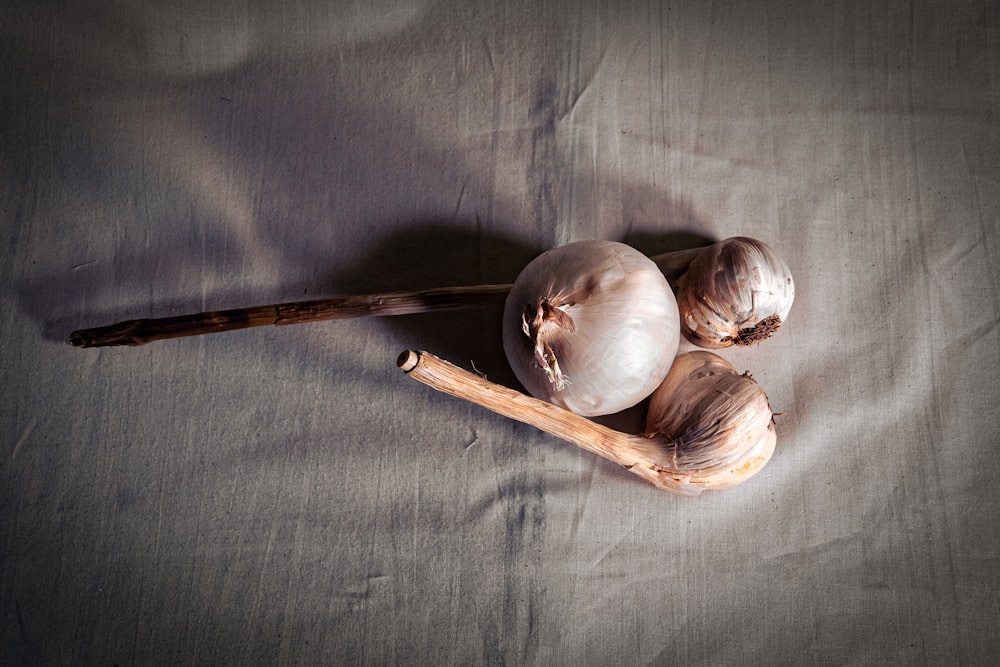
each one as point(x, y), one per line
point(419, 256)
point(425, 254)
point(438, 254)
point(442, 254)
point(652, 242)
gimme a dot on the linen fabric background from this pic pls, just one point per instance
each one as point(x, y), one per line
point(286, 495)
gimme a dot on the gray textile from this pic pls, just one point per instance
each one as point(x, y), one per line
point(287, 495)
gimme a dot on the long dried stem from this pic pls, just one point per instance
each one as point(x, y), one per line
point(640, 455)
point(141, 331)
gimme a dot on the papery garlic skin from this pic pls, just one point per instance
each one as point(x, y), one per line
point(734, 292)
point(591, 326)
point(717, 423)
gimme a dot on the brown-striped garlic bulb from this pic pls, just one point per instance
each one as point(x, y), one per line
point(734, 292)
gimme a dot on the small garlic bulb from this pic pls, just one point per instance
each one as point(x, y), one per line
point(591, 326)
point(735, 292)
point(718, 423)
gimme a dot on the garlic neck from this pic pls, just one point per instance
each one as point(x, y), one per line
point(540, 320)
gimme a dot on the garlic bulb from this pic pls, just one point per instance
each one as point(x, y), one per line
point(708, 426)
point(718, 423)
point(734, 292)
point(591, 326)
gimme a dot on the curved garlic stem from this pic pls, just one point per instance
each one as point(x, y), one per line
point(640, 455)
point(141, 331)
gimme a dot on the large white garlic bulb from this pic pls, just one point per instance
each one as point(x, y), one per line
point(717, 424)
point(734, 292)
point(591, 326)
